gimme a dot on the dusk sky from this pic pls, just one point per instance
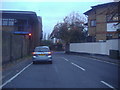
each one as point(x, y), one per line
point(52, 11)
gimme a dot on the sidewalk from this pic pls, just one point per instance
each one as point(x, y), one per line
point(106, 58)
point(99, 57)
point(10, 67)
point(11, 64)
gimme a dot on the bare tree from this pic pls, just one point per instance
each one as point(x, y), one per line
point(75, 17)
point(72, 29)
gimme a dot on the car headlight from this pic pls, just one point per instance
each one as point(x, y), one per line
point(49, 56)
point(34, 56)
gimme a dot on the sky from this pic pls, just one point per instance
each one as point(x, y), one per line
point(51, 11)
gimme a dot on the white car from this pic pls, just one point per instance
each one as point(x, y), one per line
point(42, 54)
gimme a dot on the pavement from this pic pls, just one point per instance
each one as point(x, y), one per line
point(10, 64)
point(106, 58)
point(99, 57)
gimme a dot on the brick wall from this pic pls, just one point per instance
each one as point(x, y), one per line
point(13, 47)
point(99, 14)
point(101, 25)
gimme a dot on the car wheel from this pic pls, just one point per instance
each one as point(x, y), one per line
point(33, 62)
point(50, 62)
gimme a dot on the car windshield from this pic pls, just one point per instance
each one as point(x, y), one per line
point(42, 50)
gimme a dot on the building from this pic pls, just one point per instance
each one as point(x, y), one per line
point(21, 33)
point(40, 31)
point(25, 21)
point(103, 21)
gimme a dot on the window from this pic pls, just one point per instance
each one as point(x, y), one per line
point(11, 22)
point(112, 17)
point(109, 36)
point(4, 22)
point(8, 22)
point(42, 49)
point(93, 23)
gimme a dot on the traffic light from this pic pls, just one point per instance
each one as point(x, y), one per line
point(29, 35)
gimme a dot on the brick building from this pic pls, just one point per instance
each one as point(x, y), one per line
point(103, 21)
point(16, 25)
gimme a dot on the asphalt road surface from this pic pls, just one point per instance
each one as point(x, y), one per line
point(67, 71)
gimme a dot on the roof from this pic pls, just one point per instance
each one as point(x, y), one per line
point(19, 15)
point(100, 6)
point(18, 12)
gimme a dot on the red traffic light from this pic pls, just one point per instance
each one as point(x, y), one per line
point(30, 34)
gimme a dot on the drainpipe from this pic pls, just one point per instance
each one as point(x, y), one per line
point(95, 26)
point(22, 48)
point(11, 57)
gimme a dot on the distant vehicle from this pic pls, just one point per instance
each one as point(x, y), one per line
point(42, 54)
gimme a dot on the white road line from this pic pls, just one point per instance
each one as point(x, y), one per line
point(78, 66)
point(74, 64)
point(15, 76)
point(108, 85)
point(65, 59)
point(105, 61)
point(99, 60)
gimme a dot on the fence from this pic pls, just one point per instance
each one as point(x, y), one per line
point(13, 47)
point(103, 48)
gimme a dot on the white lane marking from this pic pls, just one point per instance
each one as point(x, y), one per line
point(78, 66)
point(65, 59)
point(105, 61)
point(74, 64)
point(99, 60)
point(15, 76)
point(108, 85)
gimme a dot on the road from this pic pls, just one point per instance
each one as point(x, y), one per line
point(67, 71)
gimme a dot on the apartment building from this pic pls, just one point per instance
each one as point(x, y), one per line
point(103, 21)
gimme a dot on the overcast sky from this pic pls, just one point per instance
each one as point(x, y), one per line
point(52, 11)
